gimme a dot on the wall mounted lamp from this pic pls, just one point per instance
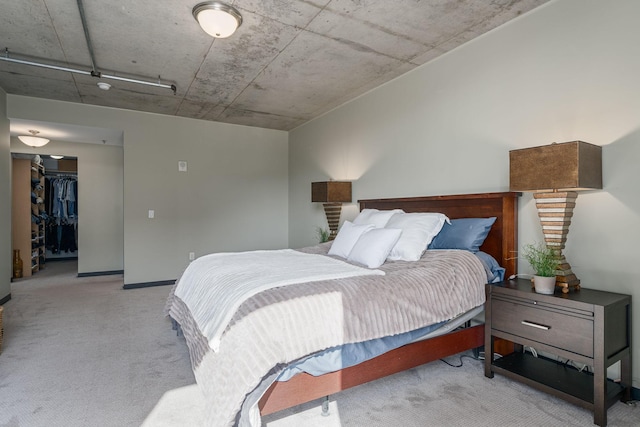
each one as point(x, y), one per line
point(331, 194)
point(33, 140)
point(217, 19)
point(555, 173)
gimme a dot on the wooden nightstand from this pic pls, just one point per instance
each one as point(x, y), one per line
point(588, 326)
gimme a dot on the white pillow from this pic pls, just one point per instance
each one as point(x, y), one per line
point(418, 229)
point(373, 247)
point(347, 236)
point(373, 216)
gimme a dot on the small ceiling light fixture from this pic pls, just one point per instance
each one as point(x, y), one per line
point(33, 140)
point(217, 19)
point(56, 156)
point(104, 85)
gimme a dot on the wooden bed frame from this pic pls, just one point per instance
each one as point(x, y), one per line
point(501, 243)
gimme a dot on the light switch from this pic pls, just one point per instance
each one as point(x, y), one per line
point(182, 166)
point(152, 213)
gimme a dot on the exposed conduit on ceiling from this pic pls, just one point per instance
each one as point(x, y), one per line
point(88, 73)
point(94, 72)
point(87, 37)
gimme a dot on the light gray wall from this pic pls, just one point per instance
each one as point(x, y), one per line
point(6, 268)
point(100, 201)
point(567, 71)
point(233, 197)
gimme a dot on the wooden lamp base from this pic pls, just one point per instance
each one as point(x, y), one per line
point(332, 211)
point(555, 210)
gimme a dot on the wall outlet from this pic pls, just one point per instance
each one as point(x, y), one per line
point(192, 256)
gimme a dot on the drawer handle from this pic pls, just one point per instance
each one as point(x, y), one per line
point(536, 325)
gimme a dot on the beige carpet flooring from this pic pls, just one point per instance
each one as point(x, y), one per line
point(83, 352)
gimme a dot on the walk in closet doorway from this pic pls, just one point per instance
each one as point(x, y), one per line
point(61, 197)
point(44, 212)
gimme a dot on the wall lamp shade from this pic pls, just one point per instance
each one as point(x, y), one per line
point(217, 19)
point(555, 173)
point(33, 140)
point(331, 194)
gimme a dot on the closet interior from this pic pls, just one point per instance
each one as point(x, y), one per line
point(61, 205)
point(44, 211)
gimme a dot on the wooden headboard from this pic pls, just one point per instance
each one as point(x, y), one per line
point(502, 241)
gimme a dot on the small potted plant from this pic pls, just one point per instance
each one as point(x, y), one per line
point(544, 262)
point(323, 234)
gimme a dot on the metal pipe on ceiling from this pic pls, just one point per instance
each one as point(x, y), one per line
point(87, 37)
point(92, 73)
point(37, 64)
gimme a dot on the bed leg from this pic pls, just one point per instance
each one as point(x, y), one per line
point(325, 406)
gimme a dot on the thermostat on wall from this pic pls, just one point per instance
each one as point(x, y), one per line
point(182, 166)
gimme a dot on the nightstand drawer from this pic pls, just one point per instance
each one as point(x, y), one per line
point(544, 325)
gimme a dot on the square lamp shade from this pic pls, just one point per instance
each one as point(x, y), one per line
point(567, 166)
point(555, 173)
point(332, 194)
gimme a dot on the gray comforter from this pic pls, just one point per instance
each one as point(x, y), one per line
point(282, 325)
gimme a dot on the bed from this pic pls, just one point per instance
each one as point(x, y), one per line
point(270, 395)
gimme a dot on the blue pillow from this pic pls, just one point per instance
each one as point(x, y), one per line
point(463, 233)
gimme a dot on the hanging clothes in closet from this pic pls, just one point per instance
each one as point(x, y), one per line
point(61, 194)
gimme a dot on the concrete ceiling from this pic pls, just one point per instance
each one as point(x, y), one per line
point(289, 62)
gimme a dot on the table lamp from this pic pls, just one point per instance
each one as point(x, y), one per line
point(331, 194)
point(555, 173)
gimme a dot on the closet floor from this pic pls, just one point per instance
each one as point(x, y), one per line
point(53, 269)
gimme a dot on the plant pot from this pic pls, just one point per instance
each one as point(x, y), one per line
point(544, 285)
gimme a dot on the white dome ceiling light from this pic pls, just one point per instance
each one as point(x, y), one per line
point(33, 140)
point(217, 19)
